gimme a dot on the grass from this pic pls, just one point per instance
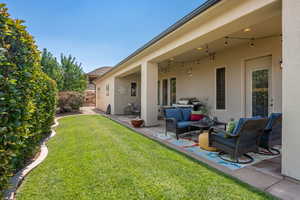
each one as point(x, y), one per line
point(92, 157)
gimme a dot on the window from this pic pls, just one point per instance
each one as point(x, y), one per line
point(133, 89)
point(107, 90)
point(172, 91)
point(220, 88)
point(165, 92)
point(158, 92)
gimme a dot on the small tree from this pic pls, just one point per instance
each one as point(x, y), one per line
point(74, 77)
point(68, 74)
point(52, 68)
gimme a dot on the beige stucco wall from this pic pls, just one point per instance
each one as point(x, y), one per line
point(202, 82)
point(123, 92)
point(102, 101)
point(291, 89)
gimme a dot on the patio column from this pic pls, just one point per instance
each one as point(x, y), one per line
point(149, 77)
point(291, 89)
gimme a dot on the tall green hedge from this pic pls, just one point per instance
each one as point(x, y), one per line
point(27, 97)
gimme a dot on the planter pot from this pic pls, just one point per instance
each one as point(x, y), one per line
point(137, 123)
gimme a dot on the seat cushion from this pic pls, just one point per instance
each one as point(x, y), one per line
point(271, 119)
point(186, 113)
point(173, 113)
point(221, 138)
point(183, 124)
point(241, 123)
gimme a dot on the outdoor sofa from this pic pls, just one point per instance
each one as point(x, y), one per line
point(178, 120)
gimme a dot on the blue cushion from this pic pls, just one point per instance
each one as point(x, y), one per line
point(183, 124)
point(271, 119)
point(173, 113)
point(186, 114)
point(241, 123)
point(221, 138)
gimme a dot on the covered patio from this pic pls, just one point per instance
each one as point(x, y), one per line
point(264, 174)
point(231, 74)
point(232, 62)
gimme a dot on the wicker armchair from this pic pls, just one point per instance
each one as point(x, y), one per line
point(243, 140)
point(272, 135)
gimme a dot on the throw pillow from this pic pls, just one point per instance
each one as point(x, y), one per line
point(196, 117)
point(231, 126)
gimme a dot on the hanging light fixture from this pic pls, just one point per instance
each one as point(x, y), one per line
point(226, 42)
point(207, 50)
point(251, 42)
point(190, 72)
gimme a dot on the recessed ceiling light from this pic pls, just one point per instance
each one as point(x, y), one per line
point(199, 48)
point(247, 29)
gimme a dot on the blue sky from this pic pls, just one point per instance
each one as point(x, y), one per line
point(97, 32)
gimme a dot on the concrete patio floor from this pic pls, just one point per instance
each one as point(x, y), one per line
point(265, 175)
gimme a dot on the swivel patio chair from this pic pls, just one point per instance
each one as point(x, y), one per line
point(243, 140)
point(272, 135)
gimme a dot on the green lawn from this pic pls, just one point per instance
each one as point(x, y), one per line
point(92, 157)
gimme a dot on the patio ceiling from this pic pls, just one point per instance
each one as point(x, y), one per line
point(268, 28)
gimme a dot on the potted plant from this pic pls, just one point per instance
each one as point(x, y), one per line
point(137, 123)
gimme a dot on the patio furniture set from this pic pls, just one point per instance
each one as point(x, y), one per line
point(248, 135)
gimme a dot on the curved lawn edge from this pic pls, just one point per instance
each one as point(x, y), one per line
point(16, 180)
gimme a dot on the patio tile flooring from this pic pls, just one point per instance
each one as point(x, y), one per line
point(264, 175)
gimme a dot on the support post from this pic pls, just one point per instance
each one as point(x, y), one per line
point(149, 77)
point(291, 89)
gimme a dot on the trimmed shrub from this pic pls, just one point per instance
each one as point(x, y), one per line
point(70, 101)
point(27, 97)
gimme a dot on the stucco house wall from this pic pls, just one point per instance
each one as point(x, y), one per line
point(123, 92)
point(102, 99)
point(202, 82)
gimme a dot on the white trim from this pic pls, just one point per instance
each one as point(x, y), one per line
point(136, 89)
point(162, 93)
point(270, 82)
point(215, 88)
point(243, 79)
point(159, 92)
point(172, 77)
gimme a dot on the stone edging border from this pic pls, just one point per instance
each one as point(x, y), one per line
point(17, 179)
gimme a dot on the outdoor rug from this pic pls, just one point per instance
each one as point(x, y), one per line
point(212, 156)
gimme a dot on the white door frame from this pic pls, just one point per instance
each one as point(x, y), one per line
point(244, 84)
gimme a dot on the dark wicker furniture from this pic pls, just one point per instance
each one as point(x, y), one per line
point(178, 120)
point(245, 140)
point(272, 135)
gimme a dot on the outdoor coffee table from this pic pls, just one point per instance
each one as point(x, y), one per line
point(193, 134)
point(201, 126)
point(203, 139)
point(207, 125)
